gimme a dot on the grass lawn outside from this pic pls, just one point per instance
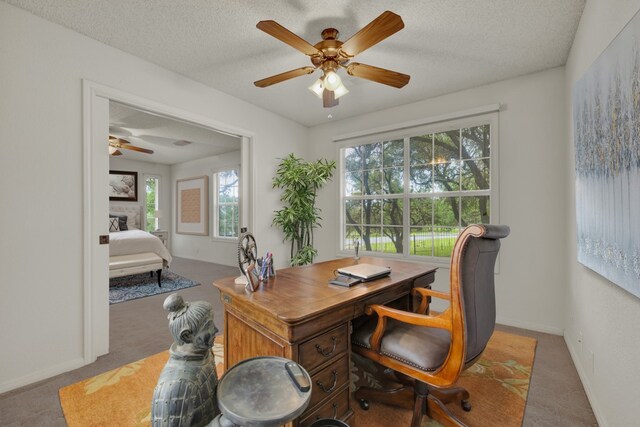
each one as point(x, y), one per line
point(438, 247)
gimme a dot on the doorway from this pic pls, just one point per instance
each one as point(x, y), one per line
point(96, 99)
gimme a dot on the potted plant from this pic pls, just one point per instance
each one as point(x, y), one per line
point(300, 181)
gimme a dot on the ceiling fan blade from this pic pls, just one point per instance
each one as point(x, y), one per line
point(134, 148)
point(383, 26)
point(328, 99)
point(378, 75)
point(117, 153)
point(116, 140)
point(284, 76)
point(281, 33)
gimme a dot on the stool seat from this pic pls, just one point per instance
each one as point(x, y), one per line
point(260, 392)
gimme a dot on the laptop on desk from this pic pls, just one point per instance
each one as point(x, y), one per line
point(365, 272)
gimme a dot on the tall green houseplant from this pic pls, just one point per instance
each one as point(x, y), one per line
point(300, 182)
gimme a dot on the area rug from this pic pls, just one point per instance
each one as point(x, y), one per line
point(498, 384)
point(143, 285)
point(122, 396)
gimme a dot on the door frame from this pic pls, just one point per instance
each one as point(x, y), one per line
point(95, 157)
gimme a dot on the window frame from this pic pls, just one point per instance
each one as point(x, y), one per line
point(216, 203)
point(405, 133)
point(158, 178)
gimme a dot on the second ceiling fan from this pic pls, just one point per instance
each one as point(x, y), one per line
point(116, 144)
point(331, 54)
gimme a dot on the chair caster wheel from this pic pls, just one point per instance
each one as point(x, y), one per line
point(364, 404)
point(465, 405)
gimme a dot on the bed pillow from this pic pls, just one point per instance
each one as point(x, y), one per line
point(122, 221)
point(113, 224)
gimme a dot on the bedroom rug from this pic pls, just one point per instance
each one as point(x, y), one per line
point(499, 384)
point(142, 285)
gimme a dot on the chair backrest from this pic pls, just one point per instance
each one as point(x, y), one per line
point(478, 289)
point(472, 288)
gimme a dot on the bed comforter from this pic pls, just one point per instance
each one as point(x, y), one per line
point(135, 242)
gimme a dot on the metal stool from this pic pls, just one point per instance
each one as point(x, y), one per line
point(262, 392)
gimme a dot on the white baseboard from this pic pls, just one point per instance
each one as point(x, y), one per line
point(531, 326)
point(41, 375)
point(588, 389)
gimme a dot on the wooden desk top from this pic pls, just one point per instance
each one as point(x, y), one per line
point(300, 293)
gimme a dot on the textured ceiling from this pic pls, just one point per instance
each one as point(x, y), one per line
point(446, 45)
point(160, 133)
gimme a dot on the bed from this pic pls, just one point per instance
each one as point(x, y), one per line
point(134, 251)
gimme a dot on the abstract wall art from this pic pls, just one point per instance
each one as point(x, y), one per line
point(192, 206)
point(606, 117)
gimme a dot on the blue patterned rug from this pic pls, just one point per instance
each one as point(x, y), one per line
point(141, 285)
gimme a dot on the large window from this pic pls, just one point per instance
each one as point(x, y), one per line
point(152, 192)
point(413, 195)
point(227, 199)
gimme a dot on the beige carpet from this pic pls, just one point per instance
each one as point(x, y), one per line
point(498, 384)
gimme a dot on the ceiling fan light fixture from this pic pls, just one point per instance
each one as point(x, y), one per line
point(340, 91)
point(330, 54)
point(317, 88)
point(332, 81)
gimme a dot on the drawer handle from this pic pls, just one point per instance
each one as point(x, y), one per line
point(335, 412)
point(333, 386)
point(327, 353)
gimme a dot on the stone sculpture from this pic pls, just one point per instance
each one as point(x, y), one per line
point(186, 391)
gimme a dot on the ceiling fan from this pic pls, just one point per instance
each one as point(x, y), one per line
point(331, 54)
point(115, 144)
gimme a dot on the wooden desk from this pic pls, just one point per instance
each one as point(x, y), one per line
point(298, 315)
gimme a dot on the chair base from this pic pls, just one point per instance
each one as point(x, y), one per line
point(422, 399)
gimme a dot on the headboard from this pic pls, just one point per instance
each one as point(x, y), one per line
point(135, 214)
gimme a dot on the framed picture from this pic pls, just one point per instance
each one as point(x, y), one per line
point(123, 186)
point(606, 117)
point(192, 206)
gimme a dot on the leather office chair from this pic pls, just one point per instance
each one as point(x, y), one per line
point(429, 352)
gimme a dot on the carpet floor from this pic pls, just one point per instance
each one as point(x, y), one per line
point(138, 329)
point(136, 286)
point(498, 384)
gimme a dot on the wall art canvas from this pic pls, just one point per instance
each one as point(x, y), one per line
point(606, 116)
point(192, 206)
point(123, 186)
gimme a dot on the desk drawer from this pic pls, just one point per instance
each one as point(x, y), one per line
point(335, 408)
point(323, 347)
point(329, 380)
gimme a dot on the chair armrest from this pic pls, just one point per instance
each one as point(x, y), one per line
point(424, 293)
point(431, 293)
point(441, 321)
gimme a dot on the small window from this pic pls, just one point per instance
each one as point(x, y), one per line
point(152, 189)
point(227, 209)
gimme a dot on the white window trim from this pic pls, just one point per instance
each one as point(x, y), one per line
point(482, 115)
point(144, 203)
point(214, 209)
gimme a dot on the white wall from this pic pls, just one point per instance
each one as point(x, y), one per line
point(41, 167)
point(529, 288)
point(204, 248)
point(161, 170)
point(605, 314)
